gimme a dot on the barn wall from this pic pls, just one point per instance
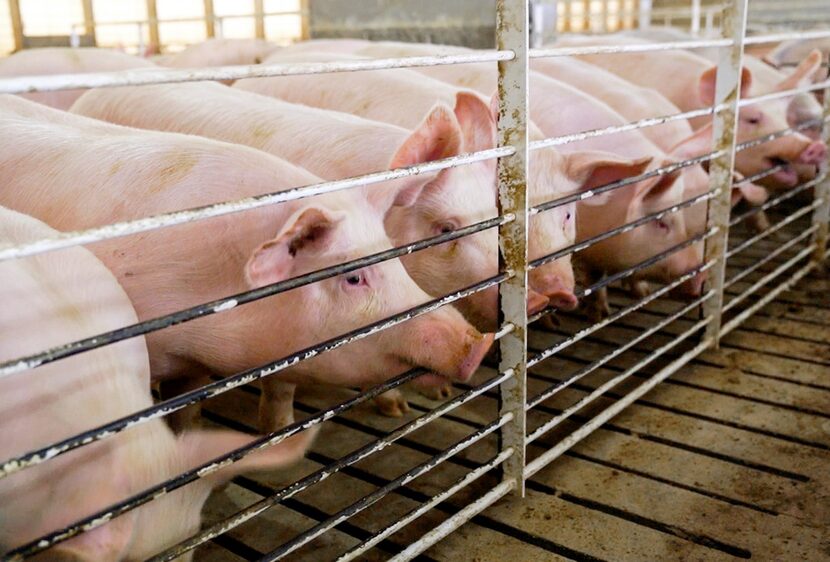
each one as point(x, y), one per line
point(437, 21)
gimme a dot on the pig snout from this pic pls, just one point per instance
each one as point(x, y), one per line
point(815, 154)
point(557, 292)
point(535, 301)
point(445, 344)
point(474, 357)
point(692, 287)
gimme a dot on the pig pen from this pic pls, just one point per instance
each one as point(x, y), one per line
point(673, 429)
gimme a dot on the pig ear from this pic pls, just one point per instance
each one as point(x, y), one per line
point(804, 72)
point(478, 125)
point(437, 137)
point(708, 84)
point(698, 144)
point(753, 194)
point(664, 183)
point(201, 447)
point(309, 229)
point(591, 169)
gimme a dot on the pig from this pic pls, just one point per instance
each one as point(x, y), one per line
point(64, 60)
point(790, 53)
point(220, 52)
point(585, 113)
point(55, 298)
point(402, 98)
point(79, 173)
point(337, 145)
point(694, 88)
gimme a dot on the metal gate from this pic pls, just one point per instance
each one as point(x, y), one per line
point(729, 298)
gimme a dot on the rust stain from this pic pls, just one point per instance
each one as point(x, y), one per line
point(261, 134)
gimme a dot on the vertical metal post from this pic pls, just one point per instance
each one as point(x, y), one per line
point(821, 216)
point(17, 23)
point(210, 19)
point(305, 20)
point(89, 20)
point(512, 34)
point(727, 91)
point(259, 19)
point(644, 14)
point(695, 23)
point(153, 22)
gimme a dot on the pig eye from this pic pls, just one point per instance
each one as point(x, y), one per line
point(568, 216)
point(753, 120)
point(355, 279)
point(445, 227)
point(662, 225)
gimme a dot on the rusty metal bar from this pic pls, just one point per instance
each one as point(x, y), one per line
point(512, 34)
point(259, 19)
point(17, 24)
point(721, 169)
point(153, 23)
point(210, 19)
point(822, 191)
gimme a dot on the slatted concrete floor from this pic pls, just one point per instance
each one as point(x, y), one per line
point(728, 459)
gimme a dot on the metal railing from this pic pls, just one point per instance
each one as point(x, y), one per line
point(707, 318)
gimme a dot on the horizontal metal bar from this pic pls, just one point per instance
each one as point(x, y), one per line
point(402, 522)
point(630, 48)
point(579, 246)
point(229, 383)
point(778, 134)
point(455, 521)
point(769, 297)
point(263, 505)
point(375, 496)
point(118, 509)
point(581, 334)
point(144, 76)
point(199, 19)
point(760, 175)
point(588, 369)
point(776, 227)
point(778, 37)
point(224, 304)
point(600, 419)
point(583, 195)
point(120, 229)
point(633, 126)
point(769, 257)
point(789, 194)
point(784, 93)
point(767, 278)
point(630, 271)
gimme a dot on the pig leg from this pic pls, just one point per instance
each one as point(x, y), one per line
point(437, 392)
point(191, 416)
point(276, 405)
point(392, 403)
point(639, 289)
point(758, 222)
point(596, 305)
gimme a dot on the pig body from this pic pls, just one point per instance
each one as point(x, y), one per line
point(79, 173)
point(220, 52)
point(547, 97)
point(63, 296)
point(64, 60)
point(402, 98)
point(694, 88)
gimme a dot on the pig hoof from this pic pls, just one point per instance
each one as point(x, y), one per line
point(597, 313)
point(438, 393)
point(549, 323)
point(394, 406)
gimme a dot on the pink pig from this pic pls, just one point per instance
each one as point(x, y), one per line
point(80, 173)
point(693, 87)
point(62, 296)
point(63, 60)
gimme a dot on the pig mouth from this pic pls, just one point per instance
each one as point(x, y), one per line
point(786, 175)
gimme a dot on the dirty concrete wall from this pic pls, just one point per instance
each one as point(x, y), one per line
point(456, 22)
